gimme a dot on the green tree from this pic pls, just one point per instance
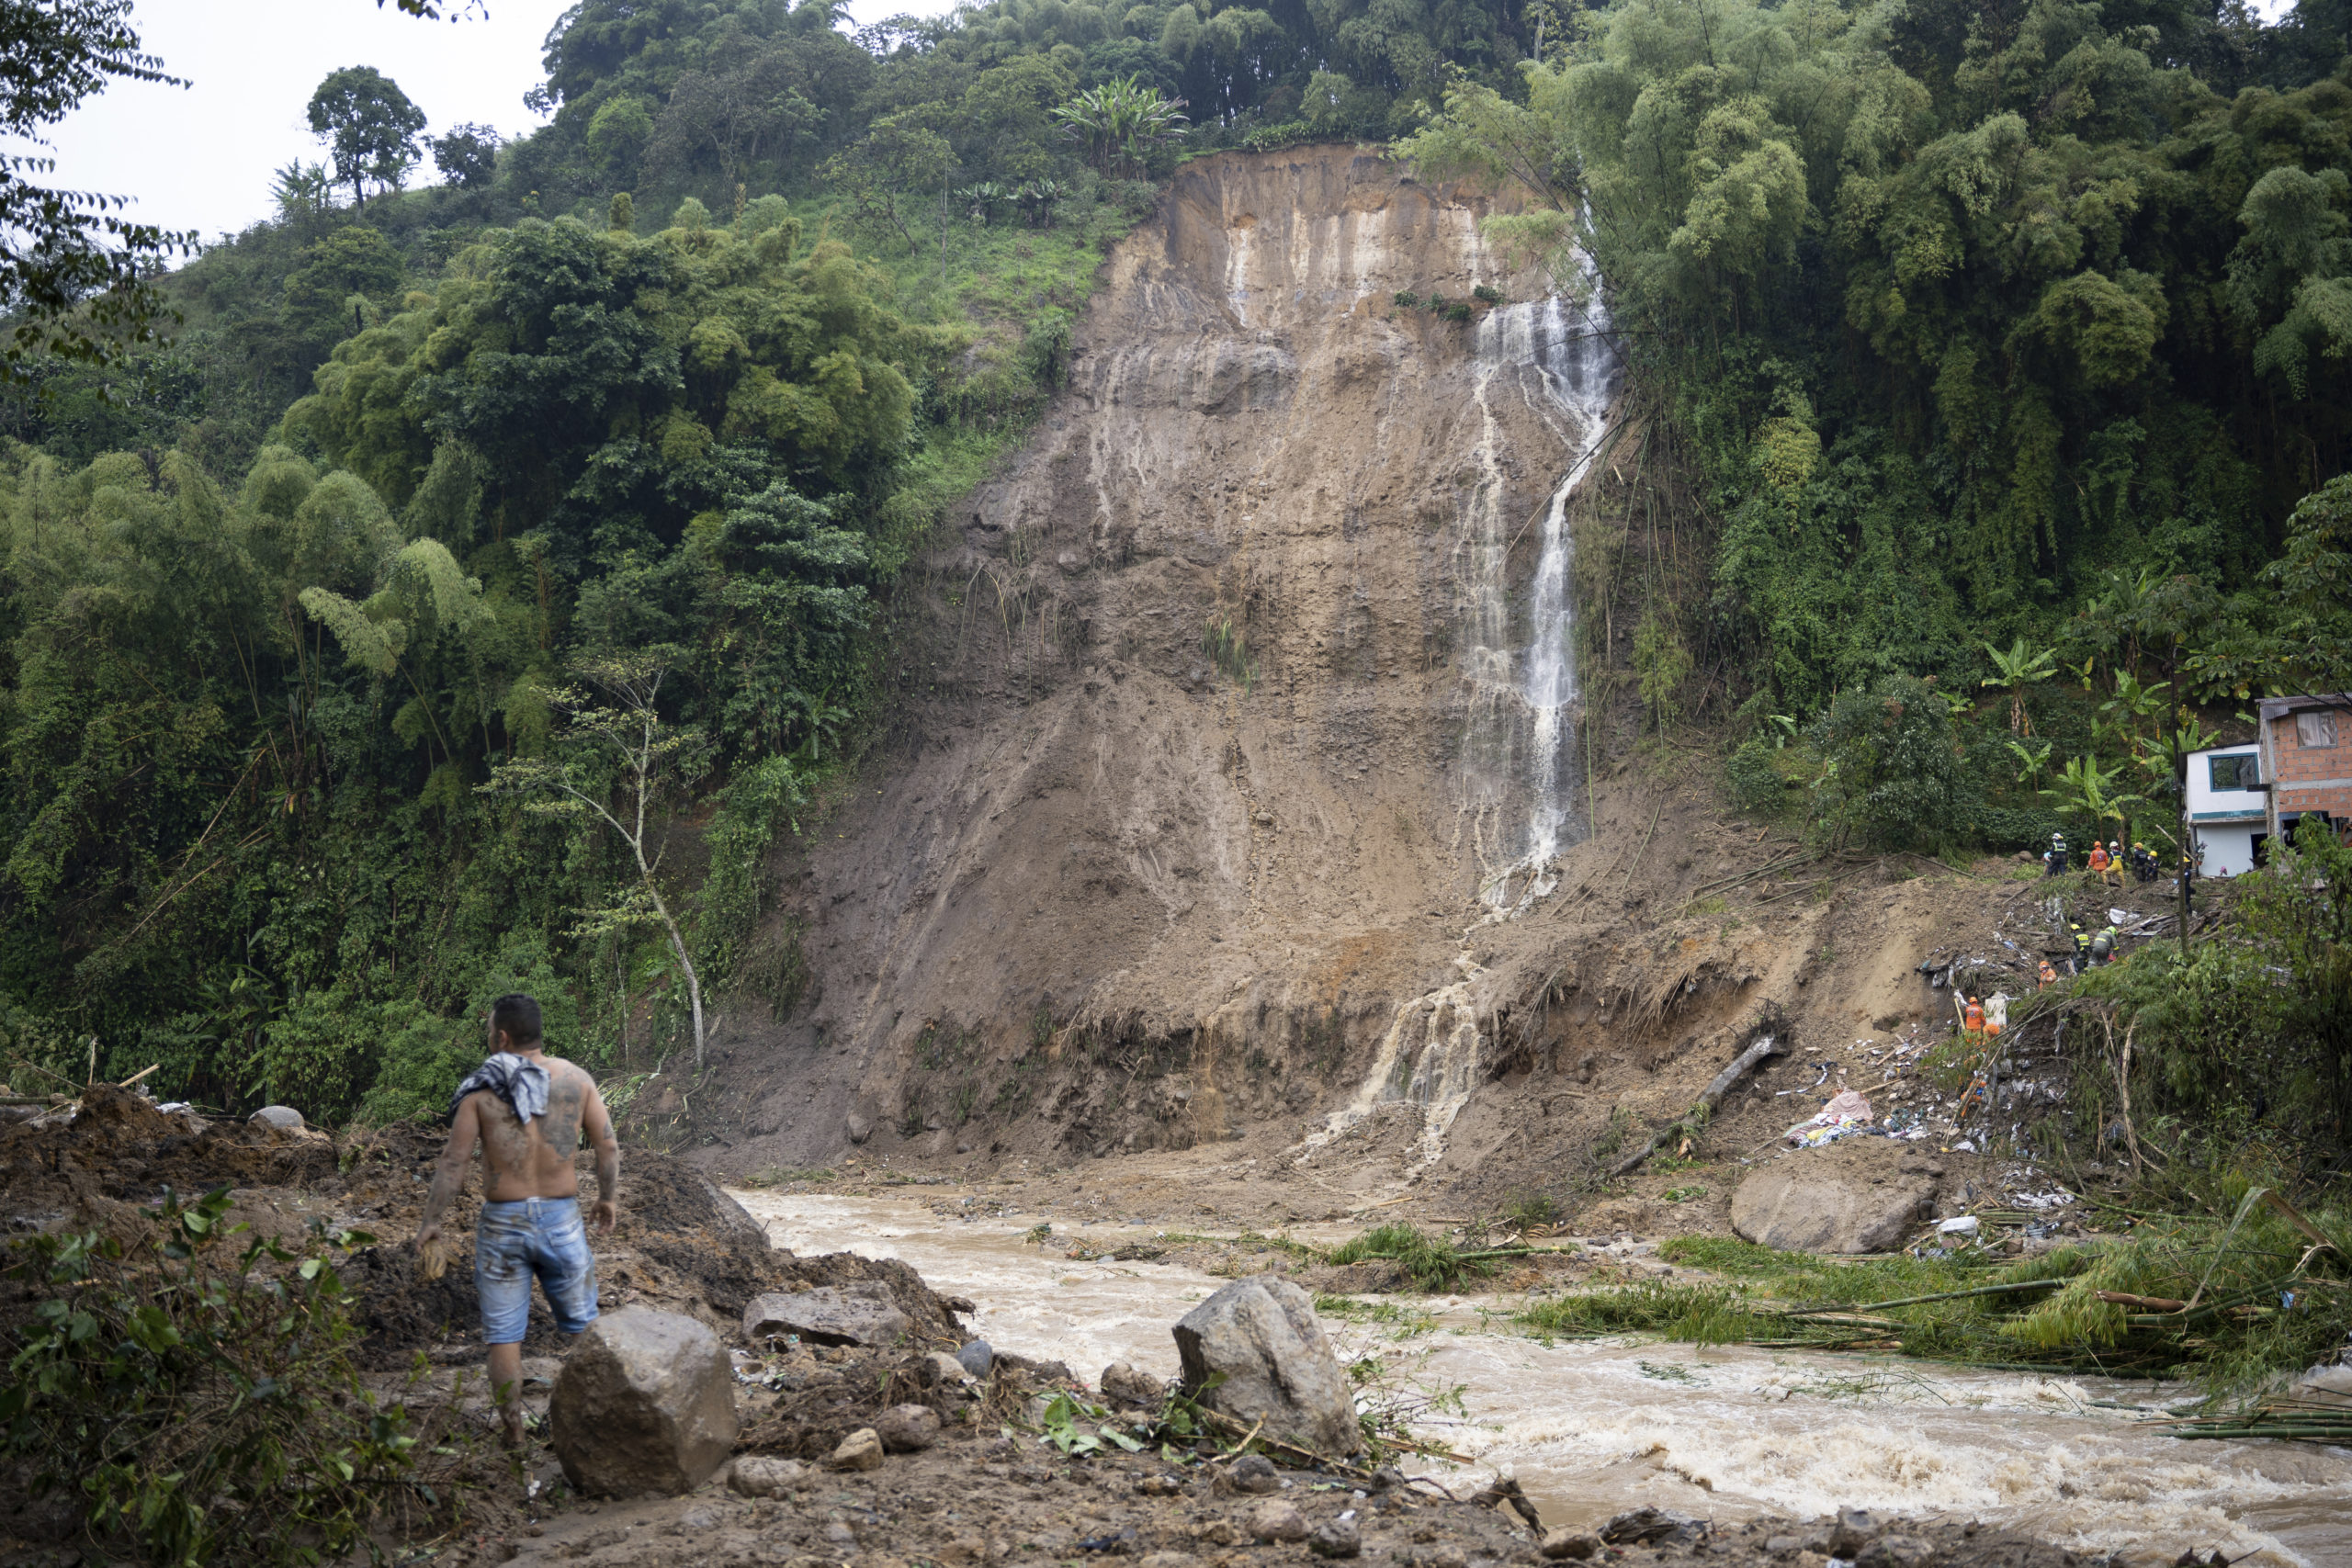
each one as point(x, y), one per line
point(76, 276)
point(620, 763)
point(369, 127)
point(2017, 669)
point(466, 155)
point(353, 261)
point(1120, 122)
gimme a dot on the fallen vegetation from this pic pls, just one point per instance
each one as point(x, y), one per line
point(194, 1398)
point(2230, 1302)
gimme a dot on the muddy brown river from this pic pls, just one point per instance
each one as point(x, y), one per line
point(1592, 1427)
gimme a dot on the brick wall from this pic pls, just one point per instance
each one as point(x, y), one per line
point(2313, 778)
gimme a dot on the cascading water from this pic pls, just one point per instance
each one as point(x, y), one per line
point(1520, 754)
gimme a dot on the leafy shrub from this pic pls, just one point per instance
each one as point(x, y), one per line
point(207, 1408)
point(1433, 1262)
point(1895, 768)
point(1408, 300)
point(1755, 782)
point(1486, 294)
point(1274, 138)
point(1458, 311)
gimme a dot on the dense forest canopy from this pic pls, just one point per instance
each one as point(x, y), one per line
point(2004, 337)
point(1969, 306)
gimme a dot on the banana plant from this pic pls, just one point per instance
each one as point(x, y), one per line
point(1119, 120)
point(2035, 758)
point(2018, 668)
point(2087, 790)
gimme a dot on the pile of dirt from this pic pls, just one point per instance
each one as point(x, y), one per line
point(682, 1244)
point(990, 1500)
point(99, 1164)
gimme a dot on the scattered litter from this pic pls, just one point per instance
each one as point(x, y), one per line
point(1965, 1224)
point(2056, 1198)
point(1844, 1115)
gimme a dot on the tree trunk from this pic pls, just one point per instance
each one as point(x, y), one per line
point(678, 946)
point(2188, 842)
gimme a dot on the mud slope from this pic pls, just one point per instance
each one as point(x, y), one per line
point(1207, 743)
point(1180, 742)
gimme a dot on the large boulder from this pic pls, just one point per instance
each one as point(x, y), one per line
point(1833, 1199)
point(1260, 1333)
point(860, 1313)
point(645, 1404)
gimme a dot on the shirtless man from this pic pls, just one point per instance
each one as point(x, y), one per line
point(530, 1214)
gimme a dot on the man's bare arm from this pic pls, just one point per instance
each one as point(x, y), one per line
point(598, 1123)
point(449, 1170)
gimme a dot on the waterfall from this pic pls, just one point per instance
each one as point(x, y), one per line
point(1428, 1058)
point(1520, 754)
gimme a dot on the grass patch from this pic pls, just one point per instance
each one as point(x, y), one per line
point(1431, 1262)
point(2228, 1302)
point(774, 1176)
point(1403, 1321)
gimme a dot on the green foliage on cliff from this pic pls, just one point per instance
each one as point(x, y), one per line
point(1966, 310)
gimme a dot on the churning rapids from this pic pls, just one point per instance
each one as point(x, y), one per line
point(1592, 1428)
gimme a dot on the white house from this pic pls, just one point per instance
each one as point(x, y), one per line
point(2227, 809)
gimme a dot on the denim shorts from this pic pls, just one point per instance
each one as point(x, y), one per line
point(542, 1236)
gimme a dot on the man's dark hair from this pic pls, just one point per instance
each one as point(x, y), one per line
point(517, 1016)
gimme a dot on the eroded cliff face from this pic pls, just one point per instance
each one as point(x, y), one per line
point(1214, 732)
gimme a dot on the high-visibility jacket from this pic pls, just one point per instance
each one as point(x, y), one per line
point(1976, 1024)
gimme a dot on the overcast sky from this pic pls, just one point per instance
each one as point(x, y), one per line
point(201, 157)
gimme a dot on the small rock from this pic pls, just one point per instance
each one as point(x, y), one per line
point(1129, 1386)
point(862, 1449)
point(861, 1313)
point(695, 1520)
point(1387, 1478)
point(940, 1370)
point(764, 1475)
point(1255, 1474)
point(1650, 1527)
point(1855, 1530)
point(907, 1428)
point(839, 1534)
point(1277, 1518)
point(1158, 1486)
point(280, 1116)
point(976, 1358)
point(1449, 1557)
point(1565, 1544)
point(1896, 1552)
point(1335, 1538)
point(645, 1403)
point(1781, 1545)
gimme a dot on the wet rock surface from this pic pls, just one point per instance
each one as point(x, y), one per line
point(858, 1314)
point(1851, 1197)
point(1260, 1336)
point(645, 1403)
